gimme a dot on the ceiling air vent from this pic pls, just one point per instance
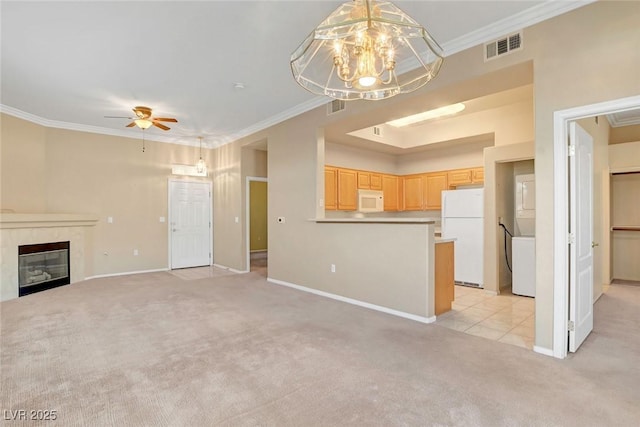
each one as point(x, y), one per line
point(503, 46)
point(335, 106)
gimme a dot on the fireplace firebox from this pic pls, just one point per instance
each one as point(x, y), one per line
point(42, 266)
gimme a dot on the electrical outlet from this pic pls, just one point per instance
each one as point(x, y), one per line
point(500, 220)
point(135, 252)
point(237, 219)
point(333, 268)
point(110, 219)
point(162, 219)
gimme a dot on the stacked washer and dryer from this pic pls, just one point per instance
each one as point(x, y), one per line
point(523, 244)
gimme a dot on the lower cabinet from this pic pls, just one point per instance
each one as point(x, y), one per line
point(444, 285)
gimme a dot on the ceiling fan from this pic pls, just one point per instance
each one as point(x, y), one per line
point(144, 120)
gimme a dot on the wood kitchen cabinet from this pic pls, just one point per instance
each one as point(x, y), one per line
point(392, 191)
point(465, 176)
point(413, 194)
point(477, 175)
point(369, 180)
point(330, 188)
point(347, 189)
point(459, 177)
point(444, 277)
point(434, 184)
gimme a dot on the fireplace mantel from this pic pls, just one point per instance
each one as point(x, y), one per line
point(38, 220)
point(18, 229)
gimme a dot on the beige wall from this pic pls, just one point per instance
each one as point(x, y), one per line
point(78, 172)
point(566, 76)
point(23, 183)
point(358, 158)
point(623, 134)
point(258, 216)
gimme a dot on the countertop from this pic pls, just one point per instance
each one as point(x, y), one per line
point(376, 220)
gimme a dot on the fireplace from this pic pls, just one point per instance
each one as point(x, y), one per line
point(42, 266)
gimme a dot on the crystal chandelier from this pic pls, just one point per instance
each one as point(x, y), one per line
point(366, 49)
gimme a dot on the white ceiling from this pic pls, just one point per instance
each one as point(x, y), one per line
point(68, 64)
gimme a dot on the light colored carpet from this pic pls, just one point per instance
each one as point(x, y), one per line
point(155, 350)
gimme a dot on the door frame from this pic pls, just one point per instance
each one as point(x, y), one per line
point(561, 205)
point(247, 218)
point(169, 239)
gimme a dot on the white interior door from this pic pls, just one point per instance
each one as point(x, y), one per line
point(581, 229)
point(190, 224)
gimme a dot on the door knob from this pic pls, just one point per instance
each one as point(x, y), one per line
point(594, 244)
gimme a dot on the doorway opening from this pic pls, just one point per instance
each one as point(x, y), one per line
point(190, 220)
point(564, 237)
point(257, 228)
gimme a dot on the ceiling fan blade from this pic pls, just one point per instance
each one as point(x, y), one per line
point(161, 126)
point(130, 125)
point(165, 119)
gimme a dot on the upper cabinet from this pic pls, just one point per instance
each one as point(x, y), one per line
point(369, 180)
point(459, 177)
point(477, 175)
point(392, 191)
point(435, 183)
point(424, 191)
point(410, 192)
point(330, 188)
point(413, 193)
point(465, 176)
point(347, 189)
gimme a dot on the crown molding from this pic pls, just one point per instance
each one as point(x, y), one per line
point(617, 120)
point(11, 111)
point(532, 16)
point(526, 18)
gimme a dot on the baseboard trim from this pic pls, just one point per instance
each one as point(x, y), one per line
point(543, 350)
point(126, 273)
point(233, 270)
point(352, 301)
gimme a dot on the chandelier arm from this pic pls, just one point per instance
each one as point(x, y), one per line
point(418, 56)
point(308, 62)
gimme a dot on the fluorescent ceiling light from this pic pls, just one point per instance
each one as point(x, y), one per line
point(427, 115)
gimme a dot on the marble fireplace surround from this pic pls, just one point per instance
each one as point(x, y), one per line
point(29, 228)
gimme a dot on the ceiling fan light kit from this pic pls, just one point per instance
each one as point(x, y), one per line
point(366, 49)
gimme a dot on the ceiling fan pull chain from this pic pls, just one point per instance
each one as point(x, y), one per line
point(143, 140)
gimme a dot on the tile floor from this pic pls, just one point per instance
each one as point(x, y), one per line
point(506, 317)
point(196, 273)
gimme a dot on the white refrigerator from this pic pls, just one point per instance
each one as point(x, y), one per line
point(463, 220)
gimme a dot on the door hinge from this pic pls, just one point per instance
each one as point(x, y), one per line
point(571, 238)
point(572, 151)
point(209, 255)
point(571, 326)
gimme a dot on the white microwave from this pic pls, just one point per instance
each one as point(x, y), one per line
point(370, 201)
